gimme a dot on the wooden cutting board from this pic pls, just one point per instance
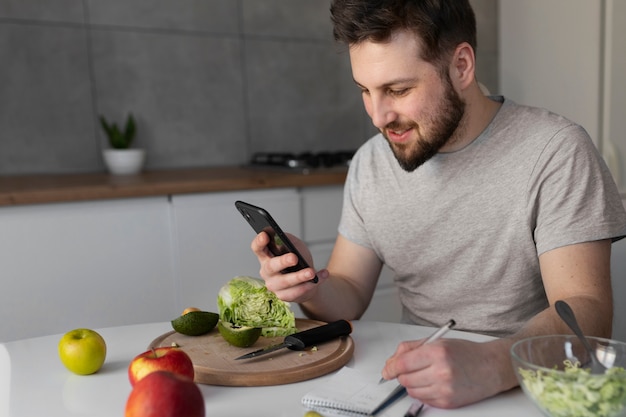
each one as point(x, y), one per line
point(214, 358)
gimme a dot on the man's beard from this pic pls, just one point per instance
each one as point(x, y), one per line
point(411, 155)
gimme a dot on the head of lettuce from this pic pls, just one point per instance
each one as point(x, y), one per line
point(244, 301)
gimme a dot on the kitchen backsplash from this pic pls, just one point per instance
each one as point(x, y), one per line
point(209, 82)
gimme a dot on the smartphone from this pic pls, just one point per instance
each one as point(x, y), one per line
point(262, 221)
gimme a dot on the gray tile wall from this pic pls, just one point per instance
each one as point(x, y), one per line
point(209, 81)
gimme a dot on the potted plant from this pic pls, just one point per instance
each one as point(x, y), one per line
point(120, 158)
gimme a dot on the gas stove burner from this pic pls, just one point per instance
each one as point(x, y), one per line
point(305, 160)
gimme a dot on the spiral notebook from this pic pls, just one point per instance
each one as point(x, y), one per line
point(349, 393)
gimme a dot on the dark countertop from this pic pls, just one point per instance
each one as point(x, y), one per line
point(38, 189)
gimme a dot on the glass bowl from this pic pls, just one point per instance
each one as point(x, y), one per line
point(553, 372)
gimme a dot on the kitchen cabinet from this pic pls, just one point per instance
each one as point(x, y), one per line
point(136, 260)
point(212, 240)
point(321, 212)
point(87, 264)
point(569, 56)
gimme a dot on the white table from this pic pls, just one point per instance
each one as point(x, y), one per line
point(33, 382)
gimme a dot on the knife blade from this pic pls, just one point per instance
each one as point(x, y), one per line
point(300, 340)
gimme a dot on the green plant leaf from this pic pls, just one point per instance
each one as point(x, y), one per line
point(117, 138)
point(105, 126)
point(129, 131)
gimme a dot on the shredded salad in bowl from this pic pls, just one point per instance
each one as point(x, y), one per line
point(550, 373)
point(575, 392)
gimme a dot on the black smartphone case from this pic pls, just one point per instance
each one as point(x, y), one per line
point(262, 221)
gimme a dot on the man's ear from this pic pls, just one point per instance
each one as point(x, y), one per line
point(463, 65)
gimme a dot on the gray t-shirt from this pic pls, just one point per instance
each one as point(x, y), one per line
point(463, 232)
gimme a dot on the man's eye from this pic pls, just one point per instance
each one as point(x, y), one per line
point(399, 93)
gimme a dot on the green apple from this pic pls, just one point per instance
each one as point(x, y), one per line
point(82, 351)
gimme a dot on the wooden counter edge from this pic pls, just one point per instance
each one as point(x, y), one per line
point(41, 189)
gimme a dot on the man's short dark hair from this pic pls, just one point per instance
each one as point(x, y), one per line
point(441, 25)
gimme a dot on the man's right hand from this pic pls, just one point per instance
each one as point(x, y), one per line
point(293, 286)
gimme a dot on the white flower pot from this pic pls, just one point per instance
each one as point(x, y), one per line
point(124, 161)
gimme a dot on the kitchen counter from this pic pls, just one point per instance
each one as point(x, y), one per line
point(37, 189)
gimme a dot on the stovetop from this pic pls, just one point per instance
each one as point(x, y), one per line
point(302, 161)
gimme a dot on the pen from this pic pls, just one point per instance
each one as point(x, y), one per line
point(440, 332)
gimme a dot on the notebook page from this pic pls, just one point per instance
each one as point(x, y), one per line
point(348, 393)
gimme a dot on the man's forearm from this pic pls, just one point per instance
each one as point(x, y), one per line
point(593, 316)
point(336, 299)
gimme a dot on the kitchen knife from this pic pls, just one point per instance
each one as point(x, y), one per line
point(300, 340)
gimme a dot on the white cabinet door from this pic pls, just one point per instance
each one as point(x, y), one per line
point(321, 212)
point(212, 239)
point(87, 264)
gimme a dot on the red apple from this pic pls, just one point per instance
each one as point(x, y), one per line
point(165, 394)
point(165, 358)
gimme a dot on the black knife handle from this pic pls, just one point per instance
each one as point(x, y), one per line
point(300, 340)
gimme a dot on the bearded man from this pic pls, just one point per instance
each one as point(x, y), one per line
point(487, 211)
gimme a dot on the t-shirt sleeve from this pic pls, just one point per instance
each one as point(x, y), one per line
point(572, 197)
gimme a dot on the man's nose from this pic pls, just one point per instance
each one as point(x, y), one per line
point(381, 112)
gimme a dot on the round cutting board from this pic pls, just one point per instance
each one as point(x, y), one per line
point(214, 359)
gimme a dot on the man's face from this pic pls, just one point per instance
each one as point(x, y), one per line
point(416, 109)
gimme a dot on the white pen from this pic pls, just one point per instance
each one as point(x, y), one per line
point(440, 332)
